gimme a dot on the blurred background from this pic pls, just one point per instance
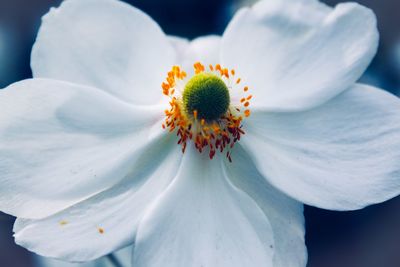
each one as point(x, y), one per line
point(365, 238)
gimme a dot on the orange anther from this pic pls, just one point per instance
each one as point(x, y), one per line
point(245, 88)
point(246, 104)
point(226, 73)
point(249, 97)
point(247, 112)
point(242, 100)
point(238, 81)
point(233, 72)
point(198, 67)
point(165, 86)
point(195, 114)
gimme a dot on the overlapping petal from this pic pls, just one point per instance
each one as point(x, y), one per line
point(123, 255)
point(284, 214)
point(106, 44)
point(61, 143)
point(205, 49)
point(180, 46)
point(203, 220)
point(342, 155)
point(298, 54)
point(107, 221)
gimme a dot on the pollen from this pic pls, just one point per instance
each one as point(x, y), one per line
point(101, 230)
point(201, 110)
point(63, 222)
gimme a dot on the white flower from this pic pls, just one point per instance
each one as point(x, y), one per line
point(87, 167)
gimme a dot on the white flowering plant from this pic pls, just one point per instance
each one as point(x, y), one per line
point(202, 152)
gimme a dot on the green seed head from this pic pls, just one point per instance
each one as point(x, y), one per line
point(207, 94)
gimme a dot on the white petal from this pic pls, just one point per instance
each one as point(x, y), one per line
point(342, 155)
point(48, 262)
point(123, 256)
point(284, 214)
point(181, 46)
point(104, 43)
point(75, 234)
point(203, 220)
point(206, 49)
point(298, 54)
point(61, 143)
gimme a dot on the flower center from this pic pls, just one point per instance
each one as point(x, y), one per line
point(207, 94)
point(208, 109)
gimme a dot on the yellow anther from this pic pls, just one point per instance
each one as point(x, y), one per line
point(171, 81)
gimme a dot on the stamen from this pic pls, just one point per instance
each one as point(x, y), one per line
point(215, 134)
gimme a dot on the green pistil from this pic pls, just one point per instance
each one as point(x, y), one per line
point(208, 95)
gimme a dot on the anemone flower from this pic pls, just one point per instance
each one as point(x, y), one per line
point(200, 153)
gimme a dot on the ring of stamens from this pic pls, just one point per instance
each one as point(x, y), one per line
point(220, 133)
